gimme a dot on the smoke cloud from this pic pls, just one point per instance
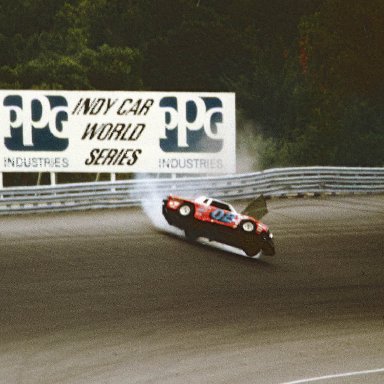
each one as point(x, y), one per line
point(250, 146)
point(151, 203)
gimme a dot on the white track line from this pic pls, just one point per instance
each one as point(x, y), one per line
point(347, 374)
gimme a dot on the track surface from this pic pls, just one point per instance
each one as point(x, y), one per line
point(104, 297)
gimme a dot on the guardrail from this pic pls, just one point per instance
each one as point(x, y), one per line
point(273, 182)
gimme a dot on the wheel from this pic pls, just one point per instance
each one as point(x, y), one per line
point(267, 244)
point(191, 234)
point(268, 247)
point(186, 210)
point(247, 226)
point(251, 251)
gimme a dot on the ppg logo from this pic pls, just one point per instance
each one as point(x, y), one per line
point(192, 124)
point(34, 123)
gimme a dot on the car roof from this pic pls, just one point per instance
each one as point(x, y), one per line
point(209, 200)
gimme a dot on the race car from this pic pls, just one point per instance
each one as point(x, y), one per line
point(218, 221)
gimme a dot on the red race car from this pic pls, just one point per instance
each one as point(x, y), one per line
point(219, 221)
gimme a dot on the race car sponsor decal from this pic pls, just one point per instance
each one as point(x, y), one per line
point(222, 216)
point(260, 228)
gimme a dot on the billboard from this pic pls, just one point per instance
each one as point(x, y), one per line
point(96, 131)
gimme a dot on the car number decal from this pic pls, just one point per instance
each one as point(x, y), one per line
point(221, 215)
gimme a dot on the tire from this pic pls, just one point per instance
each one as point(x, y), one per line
point(251, 251)
point(191, 234)
point(186, 210)
point(247, 226)
point(268, 247)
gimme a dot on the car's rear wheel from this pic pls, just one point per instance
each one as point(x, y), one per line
point(186, 210)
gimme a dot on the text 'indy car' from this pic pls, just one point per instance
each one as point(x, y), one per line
point(219, 221)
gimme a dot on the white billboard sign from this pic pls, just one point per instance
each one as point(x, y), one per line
point(95, 131)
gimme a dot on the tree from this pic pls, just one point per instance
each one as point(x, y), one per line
point(112, 68)
point(54, 72)
point(344, 43)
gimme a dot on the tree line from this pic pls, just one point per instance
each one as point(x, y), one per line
point(308, 74)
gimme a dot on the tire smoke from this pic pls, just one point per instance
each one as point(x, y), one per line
point(152, 201)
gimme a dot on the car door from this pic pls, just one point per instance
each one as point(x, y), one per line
point(218, 214)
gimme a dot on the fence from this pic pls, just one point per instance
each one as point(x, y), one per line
point(271, 183)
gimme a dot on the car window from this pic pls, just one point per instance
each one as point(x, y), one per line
point(219, 204)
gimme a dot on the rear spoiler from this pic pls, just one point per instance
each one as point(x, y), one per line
point(256, 208)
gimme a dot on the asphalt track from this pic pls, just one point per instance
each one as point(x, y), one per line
point(105, 297)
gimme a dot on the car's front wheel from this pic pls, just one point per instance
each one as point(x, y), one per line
point(251, 251)
point(247, 226)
